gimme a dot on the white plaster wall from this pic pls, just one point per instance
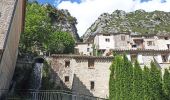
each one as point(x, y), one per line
point(150, 47)
point(162, 44)
point(140, 59)
point(106, 45)
point(83, 49)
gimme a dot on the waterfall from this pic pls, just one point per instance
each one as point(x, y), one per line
point(37, 74)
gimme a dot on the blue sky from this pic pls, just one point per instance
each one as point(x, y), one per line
point(56, 2)
point(87, 11)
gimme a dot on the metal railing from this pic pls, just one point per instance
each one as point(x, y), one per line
point(48, 95)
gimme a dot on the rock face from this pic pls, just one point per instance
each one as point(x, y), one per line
point(63, 21)
point(137, 22)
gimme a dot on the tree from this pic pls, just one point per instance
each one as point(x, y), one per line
point(61, 42)
point(128, 72)
point(40, 35)
point(137, 82)
point(166, 83)
point(156, 91)
point(146, 83)
point(37, 28)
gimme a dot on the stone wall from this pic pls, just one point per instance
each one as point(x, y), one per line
point(11, 41)
point(81, 75)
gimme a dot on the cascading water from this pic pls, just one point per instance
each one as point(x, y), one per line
point(37, 76)
point(37, 72)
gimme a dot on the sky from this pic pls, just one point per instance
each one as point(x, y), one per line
point(87, 11)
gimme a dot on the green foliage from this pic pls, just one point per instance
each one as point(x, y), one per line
point(47, 82)
point(166, 83)
point(37, 28)
point(133, 83)
point(61, 42)
point(155, 82)
point(40, 35)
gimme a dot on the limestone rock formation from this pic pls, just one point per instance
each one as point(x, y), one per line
point(62, 20)
point(138, 22)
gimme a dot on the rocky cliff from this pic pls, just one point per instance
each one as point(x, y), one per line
point(137, 22)
point(62, 20)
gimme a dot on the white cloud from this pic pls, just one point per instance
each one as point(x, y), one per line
point(89, 10)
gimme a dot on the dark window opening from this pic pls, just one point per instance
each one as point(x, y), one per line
point(88, 49)
point(164, 58)
point(92, 85)
point(67, 63)
point(150, 43)
point(166, 38)
point(107, 40)
point(168, 45)
point(91, 63)
point(123, 38)
point(134, 46)
point(66, 78)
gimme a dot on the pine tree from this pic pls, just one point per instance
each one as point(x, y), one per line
point(156, 91)
point(128, 72)
point(137, 82)
point(166, 84)
point(146, 83)
point(112, 89)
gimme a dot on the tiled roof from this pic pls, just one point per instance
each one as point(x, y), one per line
point(81, 56)
point(141, 50)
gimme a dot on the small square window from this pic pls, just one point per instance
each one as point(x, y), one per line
point(66, 78)
point(150, 43)
point(123, 38)
point(90, 63)
point(67, 63)
point(166, 38)
point(92, 85)
point(88, 49)
point(164, 58)
point(107, 40)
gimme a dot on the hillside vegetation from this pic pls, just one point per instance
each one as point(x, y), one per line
point(137, 22)
point(42, 33)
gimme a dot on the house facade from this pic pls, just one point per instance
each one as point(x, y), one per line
point(88, 73)
point(85, 75)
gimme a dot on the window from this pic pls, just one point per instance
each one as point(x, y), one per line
point(67, 63)
point(164, 58)
point(168, 45)
point(66, 78)
point(166, 38)
point(92, 85)
point(88, 49)
point(134, 46)
point(90, 63)
point(150, 43)
point(107, 40)
point(123, 38)
point(133, 58)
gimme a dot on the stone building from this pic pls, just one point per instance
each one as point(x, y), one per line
point(11, 25)
point(88, 75)
point(84, 48)
point(143, 48)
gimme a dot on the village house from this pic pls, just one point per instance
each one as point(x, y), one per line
point(87, 71)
